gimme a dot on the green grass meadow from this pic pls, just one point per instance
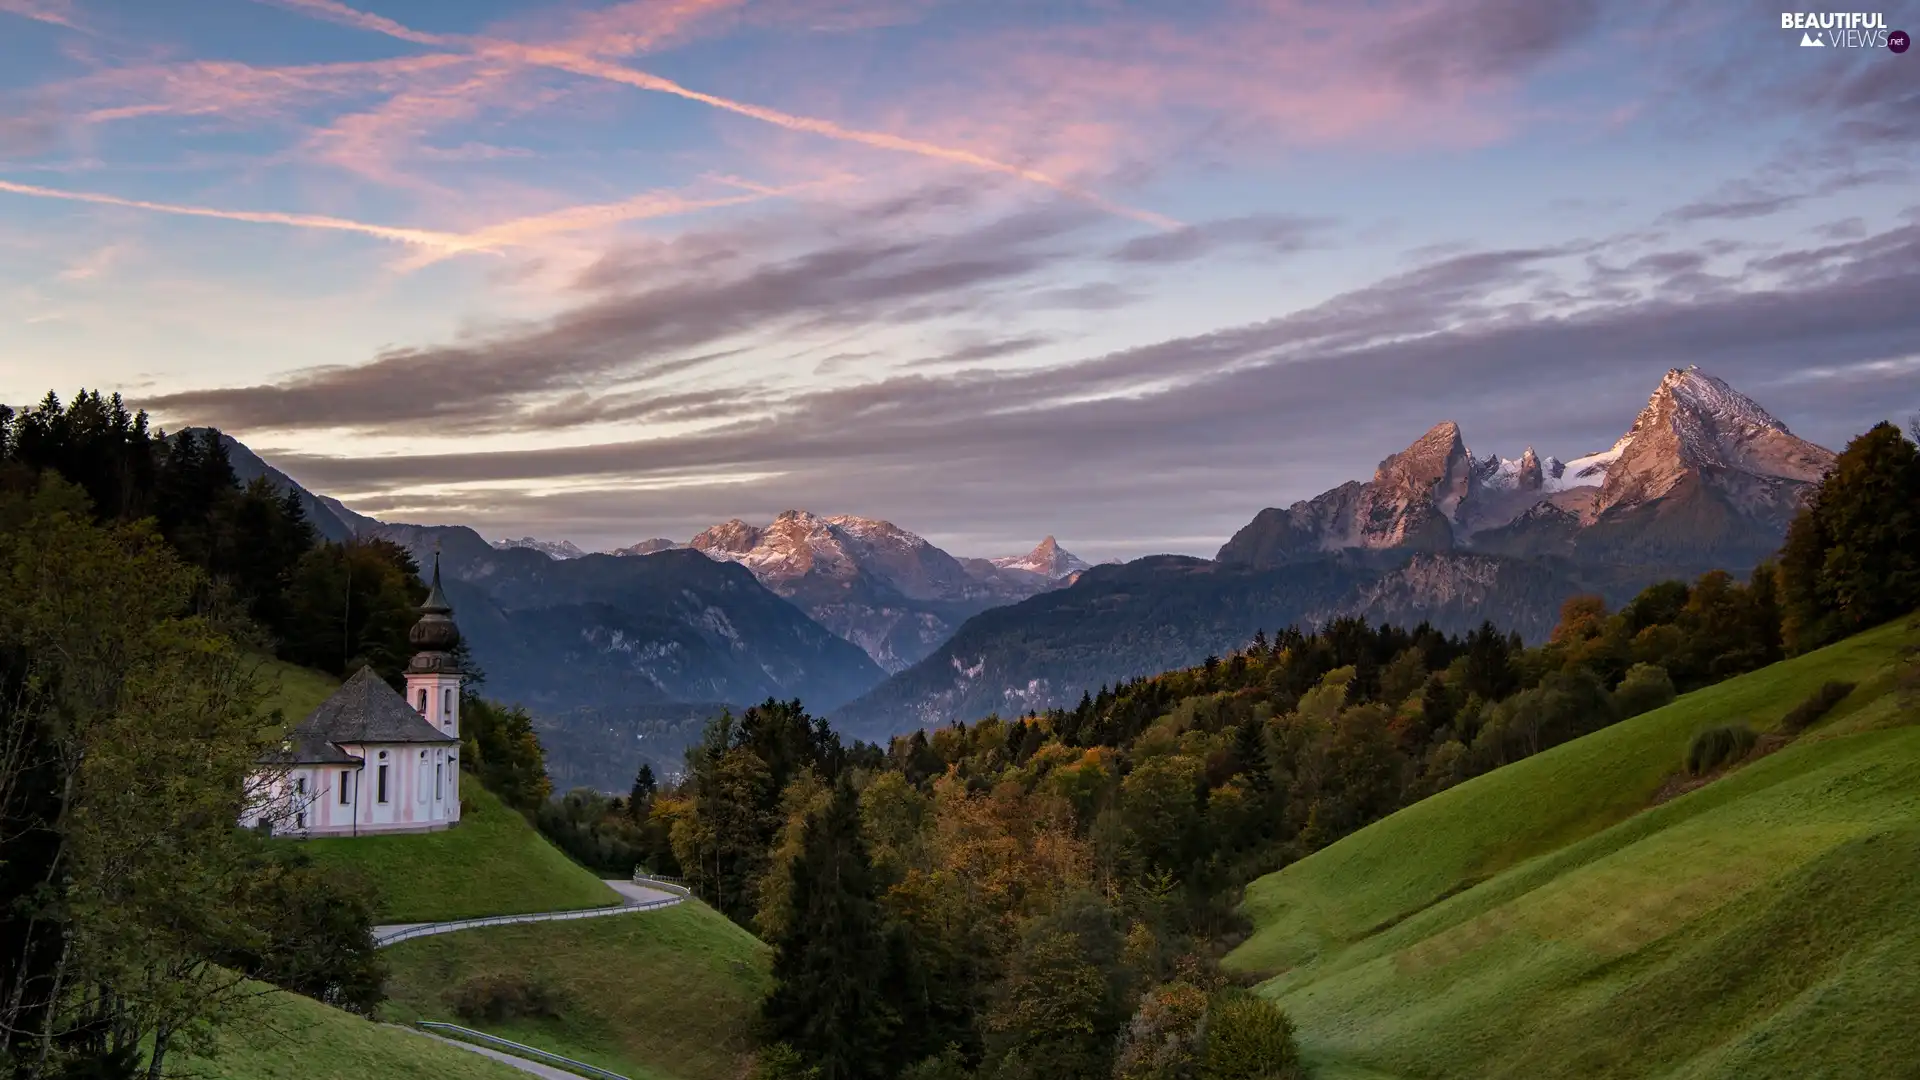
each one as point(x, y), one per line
point(492, 863)
point(295, 1038)
point(668, 994)
point(1546, 921)
point(294, 690)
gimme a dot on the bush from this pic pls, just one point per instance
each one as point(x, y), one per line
point(496, 998)
point(947, 1066)
point(1818, 704)
point(1719, 746)
point(783, 1062)
point(1646, 688)
point(1248, 1038)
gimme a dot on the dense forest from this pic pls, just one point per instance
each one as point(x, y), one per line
point(1048, 895)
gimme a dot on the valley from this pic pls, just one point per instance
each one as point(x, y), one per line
point(653, 640)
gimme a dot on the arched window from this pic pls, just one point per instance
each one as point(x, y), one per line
point(448, 711)
point(423, 702)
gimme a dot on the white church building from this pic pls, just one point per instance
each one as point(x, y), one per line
point(369, 761)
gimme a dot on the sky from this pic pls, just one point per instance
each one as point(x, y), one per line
point(1119, 271)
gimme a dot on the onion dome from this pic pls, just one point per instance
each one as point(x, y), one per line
point(435, 631)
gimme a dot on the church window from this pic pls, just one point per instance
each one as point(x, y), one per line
point(381, 788)
point(448, 711)
point(346, 782)
point(439, 780)
point(423, 703)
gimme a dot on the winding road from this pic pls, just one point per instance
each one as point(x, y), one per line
point(634, 897)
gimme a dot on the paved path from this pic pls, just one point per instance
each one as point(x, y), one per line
point(633, 896)
point(548, 1072)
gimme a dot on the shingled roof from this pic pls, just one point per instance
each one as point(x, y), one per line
point(364, 710)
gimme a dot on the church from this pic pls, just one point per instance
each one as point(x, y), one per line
point(369, 761)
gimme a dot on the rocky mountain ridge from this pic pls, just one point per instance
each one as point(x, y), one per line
point(879, 586)
point(1700, 456)
point(552, 549)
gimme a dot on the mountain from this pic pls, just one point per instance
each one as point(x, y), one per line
point(1047, 564)
point(1116, 622)
point(647, 547)
point(1704, 477)
point(249, 466)
point(552, 549)
point(1165, 612)
point(600, 630)
point(357, 523)
point(875, 584)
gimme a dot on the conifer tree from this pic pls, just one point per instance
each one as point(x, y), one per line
point(828, 971)
point(641, 797)
point(1852, 557)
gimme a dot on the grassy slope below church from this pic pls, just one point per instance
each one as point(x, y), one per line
point(1760, 926)
point(296, 1038)
point(492, 863)
point(659, 995)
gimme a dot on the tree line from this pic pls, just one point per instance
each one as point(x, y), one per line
point(1050, 895)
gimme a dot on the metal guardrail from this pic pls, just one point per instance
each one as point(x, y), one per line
point(664, 884)
point(520, 1050)
point(429, 929)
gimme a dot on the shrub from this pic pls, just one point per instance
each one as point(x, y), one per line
point(1818, 704)
point(1719, 746)
point(1159, 1042)
point(783, 1062)
point(1246, 1037)
point(495, 998)
point(947, 1066)
point(1646, 688)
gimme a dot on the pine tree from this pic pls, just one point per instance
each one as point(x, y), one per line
point(827, 1002)
point(641, 797)
point(1852, 557)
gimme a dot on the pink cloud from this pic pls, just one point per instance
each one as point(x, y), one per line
point(53, 12)
point(585, 60)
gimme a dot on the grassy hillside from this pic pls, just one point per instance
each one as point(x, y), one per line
point(658, 995)
point(1542, 921)
point(492, 863)
point(297, 1038)
point(294, 690)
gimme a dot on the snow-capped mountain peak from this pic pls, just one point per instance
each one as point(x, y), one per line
point(647, 547)
point(552, 549)
point(1049, 560)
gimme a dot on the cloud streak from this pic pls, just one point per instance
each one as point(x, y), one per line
point(425, 238)
point(562, 57)
point(52, 12)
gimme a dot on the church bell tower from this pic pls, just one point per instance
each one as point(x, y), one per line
point(433, 675)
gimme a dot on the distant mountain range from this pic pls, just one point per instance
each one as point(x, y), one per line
point(871, 582)
point(621, 656)
point(1704, 478)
